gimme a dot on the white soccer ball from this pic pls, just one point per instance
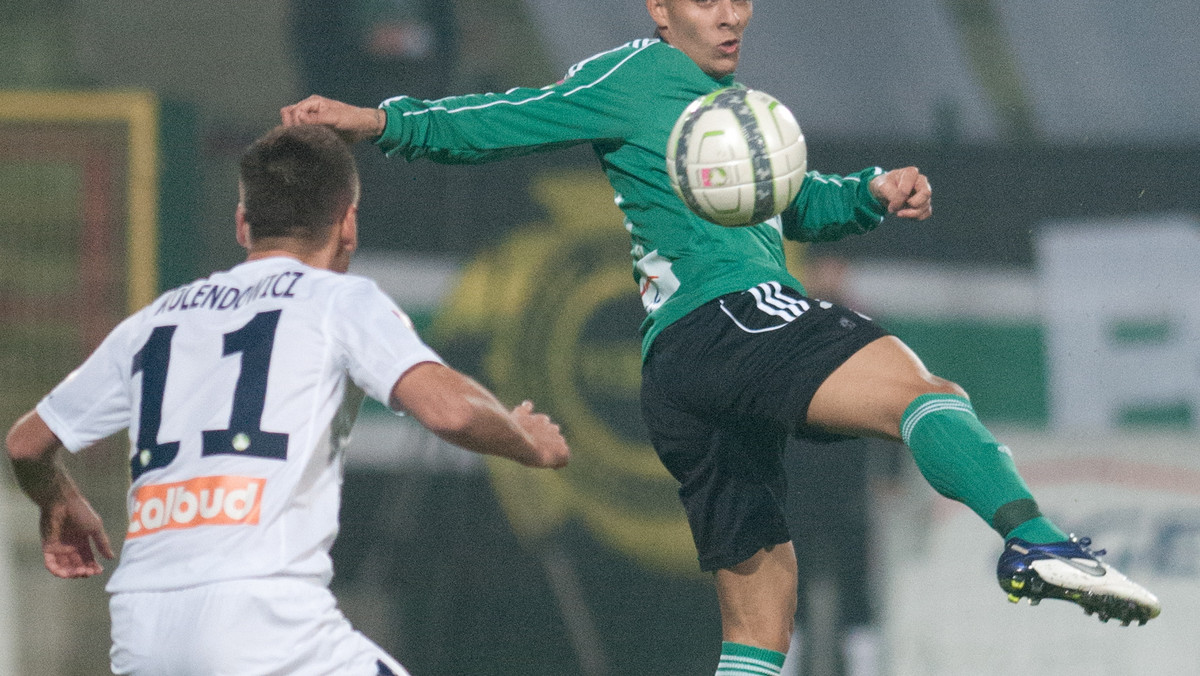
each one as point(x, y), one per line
point(736, 157)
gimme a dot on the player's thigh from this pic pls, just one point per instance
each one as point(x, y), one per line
point(869, 392)
point(243, 628)
point(757, 355)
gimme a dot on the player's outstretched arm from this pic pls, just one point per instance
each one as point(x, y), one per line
point(70, 528)
point(465, 413)
point(352, 123)
point(905, 192)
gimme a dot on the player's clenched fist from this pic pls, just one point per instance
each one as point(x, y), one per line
point(904, 192)
point(352, 123)
point(548, 442)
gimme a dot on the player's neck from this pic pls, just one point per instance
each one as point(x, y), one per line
point(259, 254)
point(325, 258)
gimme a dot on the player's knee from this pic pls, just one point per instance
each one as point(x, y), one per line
point(935, 385)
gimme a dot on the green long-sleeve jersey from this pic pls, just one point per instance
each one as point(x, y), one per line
point(624, 102)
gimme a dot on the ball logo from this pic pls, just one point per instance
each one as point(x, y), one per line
point(203, 501)
point(713, 177)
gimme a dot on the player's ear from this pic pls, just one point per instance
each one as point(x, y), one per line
point(243, 227)
point(658, 12)
point(348, 229)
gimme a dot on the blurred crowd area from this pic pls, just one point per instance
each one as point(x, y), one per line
point(1019, 111)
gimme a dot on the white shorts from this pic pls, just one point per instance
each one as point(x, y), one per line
point(263, 627)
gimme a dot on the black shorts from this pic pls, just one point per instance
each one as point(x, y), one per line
point(722, 388)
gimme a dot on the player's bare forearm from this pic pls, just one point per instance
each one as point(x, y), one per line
point(70, 528)
point(463, 412)
point(33, 450)
point(521, 435)
point(905, 193)
point(352, 123)
point(42, 479)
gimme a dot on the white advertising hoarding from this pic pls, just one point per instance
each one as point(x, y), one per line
point(1121, 309)
point(1136, 496)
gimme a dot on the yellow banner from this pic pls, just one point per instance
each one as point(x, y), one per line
point(552, 314)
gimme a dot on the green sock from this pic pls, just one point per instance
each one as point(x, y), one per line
point(1038, 530)
point(738, 659)
point(961, 459)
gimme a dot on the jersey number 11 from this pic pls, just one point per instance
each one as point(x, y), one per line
point(244, 435)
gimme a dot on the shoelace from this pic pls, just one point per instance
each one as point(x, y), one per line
point(1085, 544)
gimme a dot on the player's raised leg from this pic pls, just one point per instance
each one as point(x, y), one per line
point(885, 390)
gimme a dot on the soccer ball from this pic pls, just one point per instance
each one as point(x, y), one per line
point(736, 157)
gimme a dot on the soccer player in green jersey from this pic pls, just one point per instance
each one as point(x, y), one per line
point(735, 356)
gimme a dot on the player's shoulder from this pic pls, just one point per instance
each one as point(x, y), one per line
point(351, 284)
point(648, 65)
point(617, 56)
point(350, 296)
point(337, 290)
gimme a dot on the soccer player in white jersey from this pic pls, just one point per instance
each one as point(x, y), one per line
point(239, 391)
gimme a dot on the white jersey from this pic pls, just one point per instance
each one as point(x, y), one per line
point(239, 391)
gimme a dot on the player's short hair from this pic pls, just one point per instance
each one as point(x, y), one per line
point(297, 182)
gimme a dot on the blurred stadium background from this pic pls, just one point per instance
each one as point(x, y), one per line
point(1058, 282)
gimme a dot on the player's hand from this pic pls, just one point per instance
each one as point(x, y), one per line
point(70, 528)
point(548, 442)
point(905, 192)
point(352, 123)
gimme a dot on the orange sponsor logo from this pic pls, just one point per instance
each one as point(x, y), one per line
point(203, 501)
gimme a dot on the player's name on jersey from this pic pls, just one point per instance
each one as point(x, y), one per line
point(210, 296)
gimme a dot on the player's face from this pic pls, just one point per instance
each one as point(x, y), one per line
point(709, 31)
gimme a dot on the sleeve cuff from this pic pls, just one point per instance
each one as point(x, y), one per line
point(60, 428)
point(868, 200)
point(389, 140)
